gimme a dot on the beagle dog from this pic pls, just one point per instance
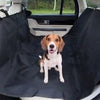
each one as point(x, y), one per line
point(52, 45)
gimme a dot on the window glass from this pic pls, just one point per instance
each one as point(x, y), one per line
point(8, 2)
point(69, 7)
point(93, 3)
point(50, 6)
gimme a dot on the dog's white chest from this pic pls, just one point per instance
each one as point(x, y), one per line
point(53, 61)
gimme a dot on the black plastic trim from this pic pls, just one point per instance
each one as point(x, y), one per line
point(76, 8)
point(61, 7)
point(55, 19)
point(50, 29)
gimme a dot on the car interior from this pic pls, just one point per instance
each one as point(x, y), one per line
point(64, 24)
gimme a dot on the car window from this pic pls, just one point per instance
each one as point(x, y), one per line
point(93, 3)
point(8, 3)
point(51, 6)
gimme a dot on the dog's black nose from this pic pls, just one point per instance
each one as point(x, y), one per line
point(51, 46)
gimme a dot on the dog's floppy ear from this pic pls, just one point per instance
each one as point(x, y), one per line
point(43, 43)
point(61, 44)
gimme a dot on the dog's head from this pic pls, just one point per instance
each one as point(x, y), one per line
point(52, 43)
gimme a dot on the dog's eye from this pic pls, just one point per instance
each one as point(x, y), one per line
point(48, 39)
point(57, 40)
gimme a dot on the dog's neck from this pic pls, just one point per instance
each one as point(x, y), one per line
point(53, 55)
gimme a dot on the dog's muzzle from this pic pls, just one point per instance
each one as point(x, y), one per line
point(51, 48)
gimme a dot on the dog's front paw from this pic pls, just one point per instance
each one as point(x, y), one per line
point(62, 79)
point(45, 81)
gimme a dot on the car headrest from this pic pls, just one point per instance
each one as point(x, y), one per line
point(16, 7)
point(2, 3)
point(16, 1)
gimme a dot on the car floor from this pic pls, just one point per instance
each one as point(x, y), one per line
point(90, 97)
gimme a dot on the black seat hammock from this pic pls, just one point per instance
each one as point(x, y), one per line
point(19, 59)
